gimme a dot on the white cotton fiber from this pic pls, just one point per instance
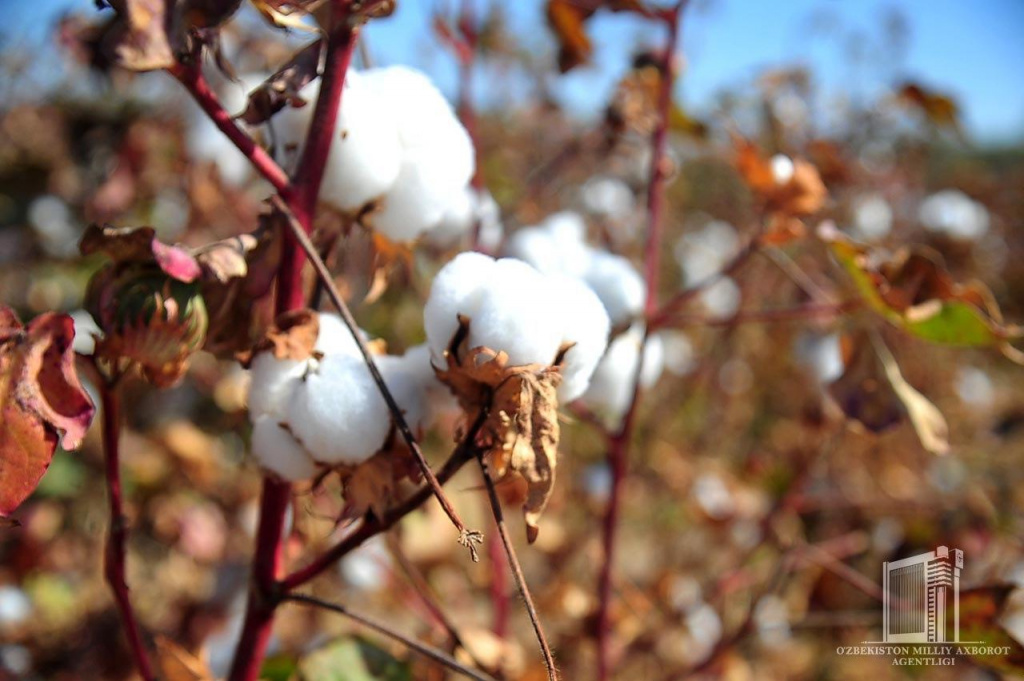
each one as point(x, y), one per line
point(455, 290)
point(611, 387)
point(617, 283)
point(952, 212)
point(704, 252)
point(338, 412)
point(277, 451)
point(607, 197)
point(407, 386)
point(782, 169)
point(722, 298)
point(586, 325)
point(334, 337)
point(466, 209)
point(517, 313)
point(365, 155)
point(273, 382)
point(872, 216)
point(437, 158)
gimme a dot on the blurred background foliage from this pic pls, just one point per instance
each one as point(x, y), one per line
point(757, 516)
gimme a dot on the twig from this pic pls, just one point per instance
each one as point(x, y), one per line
point(468, 538)
point(619, 442)
point(434, 654)
point(301, 196)
point(517, 571)
point(426, 595)
point(784, 314)
point(114, 563)
point(191, 76)
point(372, 525)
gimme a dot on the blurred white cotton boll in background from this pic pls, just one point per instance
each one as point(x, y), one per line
point(872, 216)
point(86, 331)
point(722, 298)
point(821, 354)
point(455, 290)
point(338, 413)
point(618, 284)
point(952, 212)
point(586, 326)
point(368, 568)
point(782, 168)
point(555, 245)
point(205, 142)
point(611, 387)
point(52, 222)
point(975, 387)
point(771, 615)
point(607, 197)
point(680, 357)
point(704, 252)
point(278, 451)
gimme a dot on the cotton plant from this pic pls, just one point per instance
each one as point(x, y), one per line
point(512, 343)
point(324, 409)
point(558, 245)
point(399, 146)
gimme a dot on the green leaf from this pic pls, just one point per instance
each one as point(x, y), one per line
point(352, 659)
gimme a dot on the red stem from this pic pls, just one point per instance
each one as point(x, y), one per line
point(301, 196)
point(114, 563)
point(619, 442)
point(499, 586)
point(191, 76)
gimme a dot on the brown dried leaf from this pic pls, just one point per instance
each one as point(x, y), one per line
point(140, 39)
point(224, 260)
point(178, 664)
point(282, 88)
point(292, 335)
point(566, 19)
point(939, 109)
point(40, 398)
point(520, 435)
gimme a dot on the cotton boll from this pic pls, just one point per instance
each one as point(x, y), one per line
point(206, 142)
point(517, 314)
point(611, 386)
point(556, 245)
point(273, 382)
point(458, 219)
point(954, 213)
point(277, 451)
point(407, 387)
point(418, 199)
point(680, 357)
point(492, 232)
point(366, 154)
point(455, 290)
point(782, 169)
point(703, 253)
point(586, 325)
point(617, 283)
point(722, 298)
point(535, 246)
point(338, 413)
point(872, 216)
point(334, 337)
point(821, 354)
point(607, 197)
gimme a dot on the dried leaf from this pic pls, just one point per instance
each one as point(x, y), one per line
point(139, 245)
point(980, 611)
point(41, 400)
point(371, 486)
point(520, 435)
point(566, 19)
point(139, 39)
point(292, 336)
point(177, 664)
point(282, 88)
point(225, 260)
point(873, 392)
point(913, 291)
point(939, 109)
point(208, 13)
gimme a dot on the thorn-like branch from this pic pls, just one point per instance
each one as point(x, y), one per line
point(517, 570)
point(468, 538)
point(114, 559)
point(373, 525)
point(430, 652)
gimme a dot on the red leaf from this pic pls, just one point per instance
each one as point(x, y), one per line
point(41, 401)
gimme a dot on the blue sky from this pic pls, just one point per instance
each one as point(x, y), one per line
point(971, 49)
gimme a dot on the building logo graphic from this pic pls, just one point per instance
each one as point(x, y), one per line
point(921, 613)
point(921, 598)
